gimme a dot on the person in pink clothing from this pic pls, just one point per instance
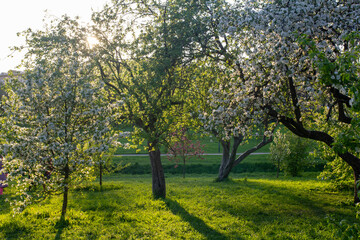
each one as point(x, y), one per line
point(2, 178)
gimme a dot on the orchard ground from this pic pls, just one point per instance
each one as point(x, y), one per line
point(250, 206)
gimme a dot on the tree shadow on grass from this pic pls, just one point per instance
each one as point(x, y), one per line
point(58, 234)
point(4, 205)
point(198, 224)
point(14, 229)
point(60, 226)
point(277, 201)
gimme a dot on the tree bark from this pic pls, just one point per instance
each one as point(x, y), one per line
point(66, 192)
point(101, 173)
point(356, 179)
point(224, 170)
point(354, 162)
point(158, 177)
point(229, 160)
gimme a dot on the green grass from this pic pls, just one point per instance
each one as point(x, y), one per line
point(250, 206)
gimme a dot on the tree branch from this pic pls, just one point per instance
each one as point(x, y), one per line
point(264, 142)
point(341, 99)
point(294, 99)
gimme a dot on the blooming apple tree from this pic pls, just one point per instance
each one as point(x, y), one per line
point(232, 123)
point(224, 111)
point(282, 73)
point(56, 117)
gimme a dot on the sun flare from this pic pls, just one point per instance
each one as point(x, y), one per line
point(92, 41)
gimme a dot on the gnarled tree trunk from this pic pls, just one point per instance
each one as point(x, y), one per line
point(229, 160)
point(158, 177)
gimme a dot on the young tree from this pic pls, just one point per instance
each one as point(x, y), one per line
point(103, 161)
point(281, 76)
point(181, 148)
point(279, 150)
point(290, 153)
point(55, 117)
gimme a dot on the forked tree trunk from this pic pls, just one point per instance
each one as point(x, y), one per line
point(229, 160)
point(158, 178)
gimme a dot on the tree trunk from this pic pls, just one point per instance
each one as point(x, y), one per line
point(184, 167)
point(100, 173)
point(158, 178)
point(226, 162)
point(66, 192)
point(229, 160)
point(356, 190)
point(354, 162)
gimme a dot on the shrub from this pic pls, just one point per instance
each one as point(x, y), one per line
point(339, 173)
point(290, 153)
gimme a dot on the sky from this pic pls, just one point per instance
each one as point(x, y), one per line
point(19, 15)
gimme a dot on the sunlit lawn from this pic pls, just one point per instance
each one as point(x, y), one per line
point(251, 206)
